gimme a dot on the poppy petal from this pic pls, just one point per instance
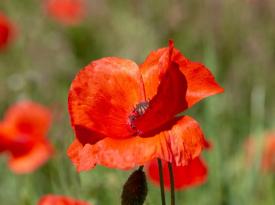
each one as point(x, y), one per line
point(183, 142)
point(6, 31)
point(31, 160)
point(169, 101)
point(73, 151)
point(172, 84)
point(51, 199)
point(68, 12)
point(195, 173)
point(100, 101)
point(267, 151)
point(6, 133)
point(154, 67)
point(200, 82)
point(29, 118)
point(268, 157)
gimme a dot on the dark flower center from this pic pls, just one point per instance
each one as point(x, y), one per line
point(138, 111)
point(141, 108)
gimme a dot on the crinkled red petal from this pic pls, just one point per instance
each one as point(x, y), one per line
point(101, 98)
point(52, 199)
point(169, 101)
point(30, 161)
point(28, 118)
point(74, 151)
point(170, 97)
point(172, 84)
point(193, 174)
point(200, 82)
point(182, 143)
point(150, 71)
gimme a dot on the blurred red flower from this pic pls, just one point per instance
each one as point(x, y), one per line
point(124, 115)
point(68, 12)
point(6, 31)
point(22, 136)
point(268, 152)
point(268, 161)
point(195, 173)
point(60, 200)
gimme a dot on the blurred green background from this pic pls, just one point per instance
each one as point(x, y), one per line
point(234, 38)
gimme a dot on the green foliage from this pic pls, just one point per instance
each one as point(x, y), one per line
point(235, 39)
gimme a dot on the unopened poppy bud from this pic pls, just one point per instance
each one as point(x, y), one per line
point(135, 189)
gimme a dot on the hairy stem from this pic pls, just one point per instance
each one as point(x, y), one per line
point(161, 182)
point(172, 183)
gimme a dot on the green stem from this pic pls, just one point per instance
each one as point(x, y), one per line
point(172, 183)
point(161, 182)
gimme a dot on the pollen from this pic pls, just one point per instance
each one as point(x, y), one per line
point(141, 108)
point(138, 111)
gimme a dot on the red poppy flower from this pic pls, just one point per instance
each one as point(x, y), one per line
point(268, 152)
point(60, 200)
point(22, 136)
point(124, 115)
point(195, 173)
point(67, 12)
point(6, 31)
point(268, 162)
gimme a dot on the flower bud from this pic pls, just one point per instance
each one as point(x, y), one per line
point(135, 189)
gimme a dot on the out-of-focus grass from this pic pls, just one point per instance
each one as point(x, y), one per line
point(234, 38)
